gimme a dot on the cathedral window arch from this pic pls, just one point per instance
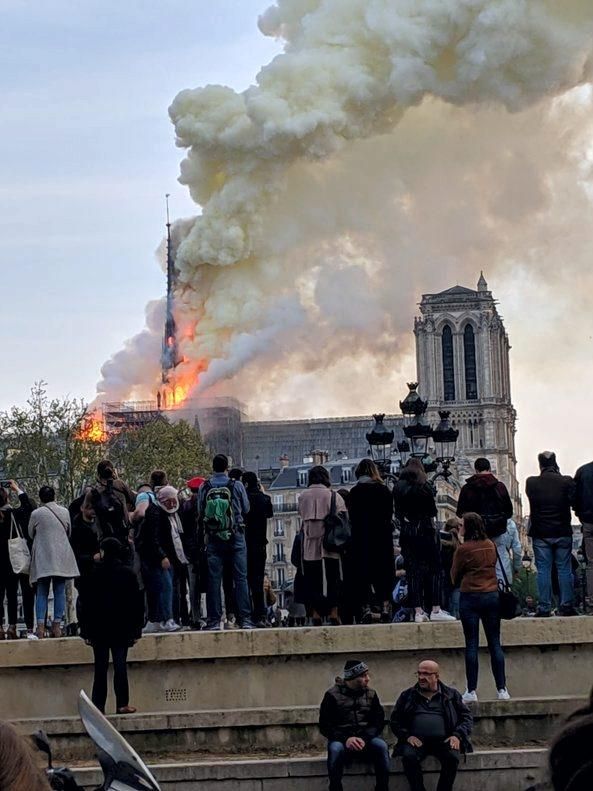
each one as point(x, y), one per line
point(448, 363)
point(469, 354)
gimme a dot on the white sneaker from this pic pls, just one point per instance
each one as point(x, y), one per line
point(441, 615)
point(421, 617)
point(169, 626)
point(469, 697)
point(32, 636)
point(503, 694)
point(152, 627)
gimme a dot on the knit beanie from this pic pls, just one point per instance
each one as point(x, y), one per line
point(354, 668)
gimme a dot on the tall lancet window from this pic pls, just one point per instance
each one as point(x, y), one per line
point(448, 364)
point(471, 377)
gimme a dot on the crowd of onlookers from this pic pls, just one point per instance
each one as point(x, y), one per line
point(120, 562)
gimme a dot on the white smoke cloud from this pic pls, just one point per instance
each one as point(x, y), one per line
point(394, 148)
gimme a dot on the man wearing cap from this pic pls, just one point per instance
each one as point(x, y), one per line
point(431, 719)
point(352, 719)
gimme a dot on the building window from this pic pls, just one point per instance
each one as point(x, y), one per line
point(280, 578)
point(346, 474)
point(471, 378)
point(279, 528)
point(448, 364)
point(279, 556)
point(278, 499)
point(303, 477)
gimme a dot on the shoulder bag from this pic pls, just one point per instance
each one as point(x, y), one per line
point(509, 603)
point(18, 549)
point(338, 531)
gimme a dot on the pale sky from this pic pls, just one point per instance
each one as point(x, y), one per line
point(87, 153)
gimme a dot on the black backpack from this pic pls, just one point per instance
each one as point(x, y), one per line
point(109, 511)
point(495, 522)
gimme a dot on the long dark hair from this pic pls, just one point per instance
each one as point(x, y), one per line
point(369, 468)
point(473, 526)
point(413, 472)
point(319, 474)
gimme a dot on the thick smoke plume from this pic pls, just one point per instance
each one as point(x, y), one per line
point(395, 147)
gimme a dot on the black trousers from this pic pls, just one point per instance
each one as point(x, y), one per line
point(9, 586)
point(119, 654)
point(256, 566)
point(412, 758)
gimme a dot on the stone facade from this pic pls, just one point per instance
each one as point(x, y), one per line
point(462, 352)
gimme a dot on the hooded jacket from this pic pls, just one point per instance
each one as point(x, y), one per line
point(349, 712)
point(458, 718)
point(484, 494)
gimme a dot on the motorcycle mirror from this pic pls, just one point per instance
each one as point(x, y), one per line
point(128, 769)
point(41, 741)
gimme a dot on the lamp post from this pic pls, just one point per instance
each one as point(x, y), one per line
point(418, 433)
point(380, 439)
point(445, 439)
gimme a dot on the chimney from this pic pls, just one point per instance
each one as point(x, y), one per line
point(320, 457)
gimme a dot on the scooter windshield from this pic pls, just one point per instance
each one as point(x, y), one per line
point(126, 769)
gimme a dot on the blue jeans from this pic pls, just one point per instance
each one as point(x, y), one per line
point(42, 595)
point(219, 553)
point(159, 592)
point(473, 608)
point(375, 751)
point(558, 552)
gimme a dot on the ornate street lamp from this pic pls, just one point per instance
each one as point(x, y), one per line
point(380, 439)
point(403, 448)
point(417, 432)
point(445, 439)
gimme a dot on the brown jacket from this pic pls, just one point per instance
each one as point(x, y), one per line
point(314, 505)
point(474, 567)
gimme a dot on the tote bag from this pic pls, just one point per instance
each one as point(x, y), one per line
point(509, 603)
point(18, 549)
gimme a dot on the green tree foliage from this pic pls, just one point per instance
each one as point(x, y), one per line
point(49, 441)
point(44, 443)
point(176, 448)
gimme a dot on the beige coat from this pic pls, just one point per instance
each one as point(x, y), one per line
point(314, 505)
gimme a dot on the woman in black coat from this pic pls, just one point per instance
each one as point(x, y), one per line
point(415, 508)
point(372, 565)
point(112, 615)
point(11, 519)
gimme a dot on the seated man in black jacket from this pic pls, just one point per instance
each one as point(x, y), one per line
point(431, 719)
point(352, 719)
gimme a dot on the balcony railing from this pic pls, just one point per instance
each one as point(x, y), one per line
point(285, 508)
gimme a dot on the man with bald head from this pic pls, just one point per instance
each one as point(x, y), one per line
point(430, 718)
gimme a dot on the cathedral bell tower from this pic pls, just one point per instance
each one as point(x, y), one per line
point(462, 356)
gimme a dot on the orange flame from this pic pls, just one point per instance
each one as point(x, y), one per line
point(182, 383)
point(92, 429)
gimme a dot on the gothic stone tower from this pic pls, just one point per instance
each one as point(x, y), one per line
point(462, 354)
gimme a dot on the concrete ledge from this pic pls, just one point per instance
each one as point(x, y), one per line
point(192, 671)
point(294, 730)
point(487, 770)
point(521, 632)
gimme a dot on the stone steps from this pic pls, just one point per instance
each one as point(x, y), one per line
point(288, 731)
point(191, 671)
point(488, 770)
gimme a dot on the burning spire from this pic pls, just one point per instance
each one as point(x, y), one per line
point(170, 358)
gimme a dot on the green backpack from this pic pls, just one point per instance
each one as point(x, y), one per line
point(218, 511)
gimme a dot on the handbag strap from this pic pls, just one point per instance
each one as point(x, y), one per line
point(14, 525)
point(504, 574)
point(332, 507)
point(56, 516)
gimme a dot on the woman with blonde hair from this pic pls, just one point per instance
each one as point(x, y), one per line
point(18, 770)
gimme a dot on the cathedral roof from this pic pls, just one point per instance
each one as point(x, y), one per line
point(456, 290)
